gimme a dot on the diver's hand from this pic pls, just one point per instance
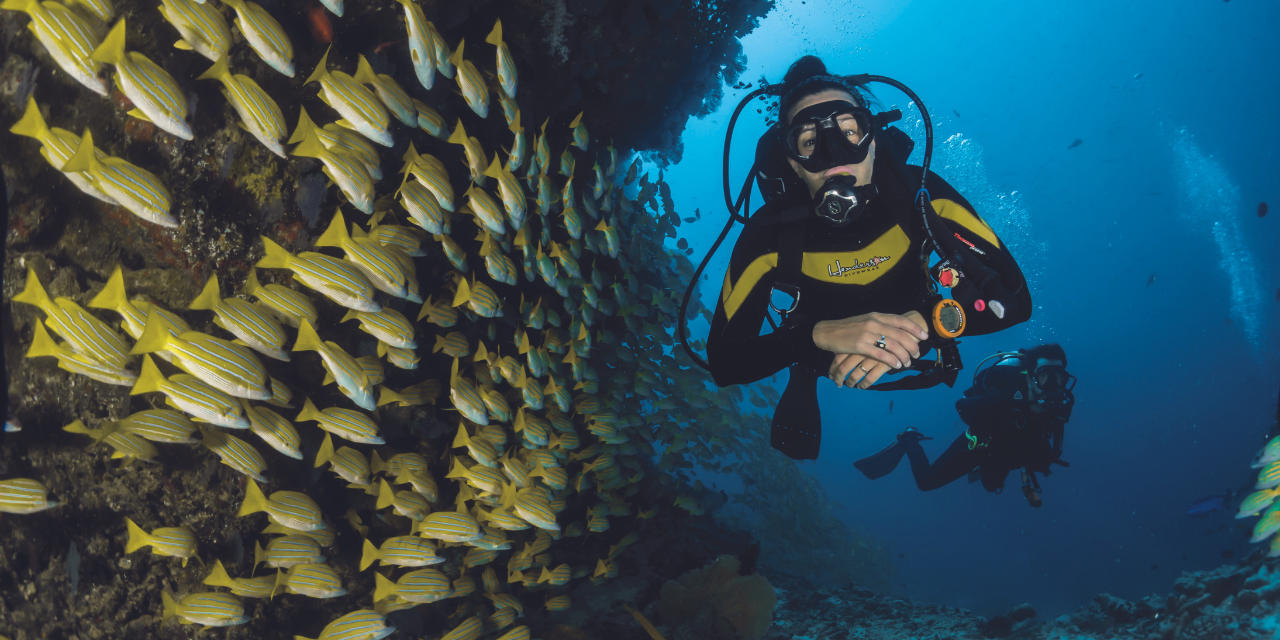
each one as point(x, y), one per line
point(864, 367)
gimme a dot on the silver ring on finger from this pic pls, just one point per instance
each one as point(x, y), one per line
point(864, 369)
point(880, 343)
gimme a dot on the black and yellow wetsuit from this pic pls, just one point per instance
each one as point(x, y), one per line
point(876, 263)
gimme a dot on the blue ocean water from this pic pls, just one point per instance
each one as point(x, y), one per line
point(1147, 260)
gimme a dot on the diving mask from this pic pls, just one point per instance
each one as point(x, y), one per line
point(828, 134)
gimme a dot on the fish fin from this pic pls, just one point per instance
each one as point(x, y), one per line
point(310, 147)
point(576, 121)
point(376, 465)
point(111, 51)
point(326, 450)
point(83, 159)
point(457, 470)
point(304, 128)
point(137, 113)
point(308, 412)
point(42, 343)
point(254, 499)
point(546, 575)
point(31, 124)
point(385, 496)
point(328, 379)
point(364, 72)
point(320, 71)
point(345, 124)
point(336, 235)
point(351, 315)
point(455, 58)
point(218, 71)
point(276, 258)
point(112, 295)
point(282, 579)
point(382, 346)
point(218, 576)
point(461, 439)
point(308, 340)
point(259, 555)
point(368, 555)
point(155, 335)
point(184, 45)
point(459, 135)
point(149, 379)
point(77, 426)
point(385, 588)
point(251, 286)
point(463, 294)
point(210, 297)
point(387, 396)
point(137, 537)
point(170, 606)
point(495, 36)
point(495, 168)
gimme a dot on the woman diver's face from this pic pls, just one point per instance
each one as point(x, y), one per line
point(861, 171)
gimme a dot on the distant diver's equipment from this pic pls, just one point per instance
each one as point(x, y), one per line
point(1031, 489)
point(884, 461)
point(797, 422)
point(839, 201)
point(1014, 383)
point(948, 318)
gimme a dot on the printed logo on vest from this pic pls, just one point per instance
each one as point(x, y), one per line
point(836, 270)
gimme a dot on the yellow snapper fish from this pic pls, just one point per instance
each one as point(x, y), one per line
point(156, 425)
point(43, 345)
point(486, 210)
point(440, 52)
point(234, 453)
point(113, 297)
point(422, 585)
point(424, 392)
point(312, 580)
point(400, 551)
point(349, 464)
point(506, 64)
point(338, 280)
point(388, 91)
point(344, 423)
point(470, 82)
point(131, 186)
point(179, 542)
point(259, 114)
point(340, 140)
point(213, 609)
point(260, 587)
point(265, 35)
point(388, 325)
point(419, 43)
point(474, 152)
point(546, 195)
point(438, 313)
point(156, 96)
point(24, 495)
point(478, 297)
point(246, 320)
point(125, 445)
point(409, 504)
point(519, 147)
point(57, 146)
point(192, 396)
point(291, 307)
point(223, 365)
point(101, 10)
point(542, 149)
point(274, 429)
point(430, 120)
point(86, 334)
point(364, 624)
point(358, 106)
point(69, 39)
point(289, 551)
point(567, 163)
point(376, 263)
point(202, 27)
point(433, 176)
point(509, 106)
point(400, 357)
point(289, 509)
point(499, 266)
point(512, 193)
point(449, 526)
point(342, 367)
point(580, 139)
point(346, 171)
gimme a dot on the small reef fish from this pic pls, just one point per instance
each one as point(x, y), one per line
point(346, 171)
point(274, 429)
point(438, 313)
point(113, 297)
point(338, 280)
point(156, 425)
point(245, 320)
point(129, 185)
point(358, 106)
point(424, 392)
point(473, 151)
point(202, 26)
point(288, 551)
point(235, 453)
point(345, 370)
point(213, 609)
point(191, 395)
point(432, 174)
point(377, 264)
point(281, 396)
point(449, 526)
point(259, 114)
point(406, 503)
point(344, 423)
point(506, 64)
point(260, 587)
point(265, 35)
point(519, 147)
point(559, 603)
point(512, 193)
point(57, 146)
point(1268, 454)
point(400, 551)
point(422, 585)
point(1257, 501)
point(388, 325)
point(349, 464)
point(179, 542)
point(357, 625)
point(155, 94)
point(440, 51)
point(419, 43)
point(312, 580)
point(580, 138)
point(222, 365)
point(83, 331)
point(291, 307)
point(68, 37)
point(486, 210)
point(42, 345)
point(125, 445)
point(289, 509)
point(470, 82)
point(24, 495)
point(478, 297)
point(430, 120)
point(389, 92)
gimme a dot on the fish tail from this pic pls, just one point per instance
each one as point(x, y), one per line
point(238, 5)
point(311, 147)
point(321, 70)
point(155, 335)
point(254, 499)
point(364, 72)
point(515, 127)
point(210, 296)
point(304, 128)
point(336, 234)
point(34, 293)
point(495, 36)
point(459, 135)
point(576, 121)
point(457, 471)
point(276, 258)
point(78, 427)
point(308, 412)
point(387, 396)
point(218, 576)
point(170, 606)
point(308, 339)
point(252, 286)
point(385, 588)
point(462, 439)
point(385, 498)
point(218, 71)
point(455, 58)
point(495, 168)
point(376, 465)
point(112, 295)
point(326, 450)
point(369, 555)
point(137, 537)
point(259, 554)
point(546, 575)
point(382, 346)
point(111, 51)
point(350, 315)
point(42, 343)
point(83, 159)
point(463, 294)
point(150, 379)
point(282, 579)
point(32, 123)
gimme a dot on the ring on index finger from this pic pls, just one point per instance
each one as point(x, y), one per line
point(880, 342)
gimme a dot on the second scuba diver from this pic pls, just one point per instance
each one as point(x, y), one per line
point(843, 235)
point(1016, 412)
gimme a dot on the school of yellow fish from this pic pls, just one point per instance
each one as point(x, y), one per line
point(564, 409)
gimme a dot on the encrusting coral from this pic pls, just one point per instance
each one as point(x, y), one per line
point(717, 598)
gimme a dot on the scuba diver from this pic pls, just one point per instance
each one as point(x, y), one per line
point(846, 235)
point(1016, 412)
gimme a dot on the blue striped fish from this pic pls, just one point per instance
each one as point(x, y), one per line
point(191, 395)
point(512, 193)
point(535, 509)
point(542, 149)
point(340, 140)
point(135, 313)
point(438, 313)
point(479, 297)
point(429, 120)
point(419, 44)
point(421, 585)
point(133, 187)
point(580, 137)
point(496, 403)
point(519, 147)
point(69, 39)
point(24, 495)
point(506, 64)
point(344, 423)
point(291, 307)
point(502, 519)
point(400, 551)
point(379, 265)
point(312, 580)
point(259, 114)
point(349, 464)
point(395, 99)
point(406, 240)
point(102, 10)
point(57, 146)
point(179, 542)
point(288, 551)
point(289, 509)
point(449, 526)
point(156, 96)
point(69, 360)
point(281, 396)
point(466, 399)
point(406, 503)
point(84, 332)
point(274, 430)
point(503, 618)
point(338, 280)
point(440, 52)
point(156, 425)
point(509, 106)
point(486, 210)
point(346, 171)
point(125, 445)
point(244, 319)
point(202, 26)
point(324, 537)
point(477, 557)
point(260, 587)
point(457, 257)
point(470, 82)
point(611, 237)
point(478, 446)
point(432, 173)
point(454, 344)
point(519, 633)
point(472, 150)
point(389, 326)
point(345, 370)
point(213, 609)
point(223, 365)
point(479, 476)
point(357, 625)
point(423, 207)
point(559, 603)
point(358, 106)
point(546, 195)
point(266, 37)
point(235, 453)
point(401, 358)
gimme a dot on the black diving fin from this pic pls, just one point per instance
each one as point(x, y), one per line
point(883, 462)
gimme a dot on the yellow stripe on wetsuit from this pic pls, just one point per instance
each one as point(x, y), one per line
point(956, 212)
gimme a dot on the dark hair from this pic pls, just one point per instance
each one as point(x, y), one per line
point(809, 76)
point(1048, 351)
